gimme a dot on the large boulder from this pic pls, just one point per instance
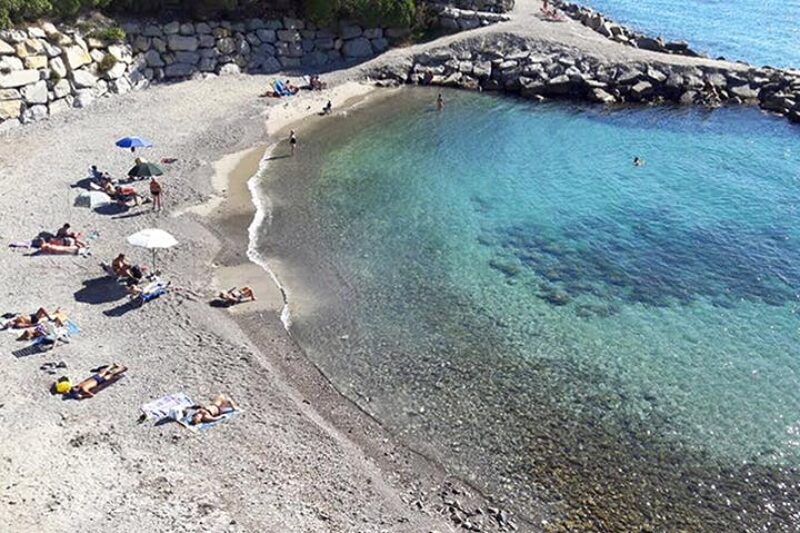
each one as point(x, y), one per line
point(62, 89)
point(641, 90)
point(744, 91)
point(37, 112)
point(18, 78)
point(290, 36)
point(121, 53)
point(349, 32)
point(266, 36)
point(36, 62)
point(226, 46)
point(183, 43)
point(357, 48)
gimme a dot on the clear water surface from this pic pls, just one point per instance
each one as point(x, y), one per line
point(503, 288)
point(761, 32)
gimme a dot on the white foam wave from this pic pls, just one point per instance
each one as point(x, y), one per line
point(264, 215)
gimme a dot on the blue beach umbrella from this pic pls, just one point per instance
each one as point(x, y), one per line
point(133, 143)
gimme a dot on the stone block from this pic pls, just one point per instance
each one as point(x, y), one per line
point(293, 24)
point(187, 28)
point(32, 114)
point(18, 78)
point(6, 49)
point(183, 43)
point(267, 36)
point(153, 59)
point(60, 106)
point(62, 89)
point(10, 109)
point(121, 53)
point(229, 70)
point(142, 43)
point(172, 28)
point(289, 36)
point(226, 46)
point(350, 32)
point(357, 48)
point(83, 79)
point(36, 62)
point(9, 63)
point(83, 98)
point(202, 28)
point(159, 44)
point(380, 45)
point(76, 56)
point(152, 30)
point(35, 94)
point(323, 43)
point(179, 70)
point(9, 94)
point(190, 58)
point(207, 41)
point(373, 33)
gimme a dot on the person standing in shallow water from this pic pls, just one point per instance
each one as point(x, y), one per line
point(292, 141)
point(439, 102)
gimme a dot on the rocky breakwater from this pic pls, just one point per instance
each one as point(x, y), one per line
point(538, 70)
point(454, 19)
point(45, 70)
point(621, 34)
point(493, 6)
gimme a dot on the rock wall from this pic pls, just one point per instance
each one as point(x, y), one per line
point(537, 70)
point(494, 6)
point(45, 70)
point(454, 19)
point(621, 34)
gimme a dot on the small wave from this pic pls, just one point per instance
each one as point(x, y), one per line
point(264, 215)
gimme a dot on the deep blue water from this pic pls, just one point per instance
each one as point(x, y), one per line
point(502, 287)
point(761, 32)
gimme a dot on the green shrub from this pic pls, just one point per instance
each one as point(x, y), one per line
point(113, 34)
point(320, 12)
point(396, 13)
point(107, 63)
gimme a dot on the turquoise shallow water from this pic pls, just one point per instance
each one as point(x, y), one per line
point(761, 32)
point(502, 287)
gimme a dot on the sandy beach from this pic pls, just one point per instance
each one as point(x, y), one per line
point(299, 458)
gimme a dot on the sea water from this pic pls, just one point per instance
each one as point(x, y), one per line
point(761, 32)
point(504, 289)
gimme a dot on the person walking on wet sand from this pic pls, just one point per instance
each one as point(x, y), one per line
point(439, 102)
point(155, 192)
point(292, 141)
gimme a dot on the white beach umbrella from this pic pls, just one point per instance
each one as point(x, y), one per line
point(92, 199)
point(152, 239)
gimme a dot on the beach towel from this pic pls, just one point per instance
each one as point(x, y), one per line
point(20, 244)
point(169, 406)
point(186, 421)
point(152, 291)
point(281, 89)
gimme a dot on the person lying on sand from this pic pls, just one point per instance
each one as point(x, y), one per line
point(59, 247)
point(58, 317)
point(88, 387)
point(27, 321)
point(220, 405)
point(235, 296)
point(120, 194)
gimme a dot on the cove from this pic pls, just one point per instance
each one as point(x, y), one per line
point(499, 285)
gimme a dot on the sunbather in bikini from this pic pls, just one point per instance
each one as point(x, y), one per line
point(27, 321)
point(87, 387)
point(220, 406)
point(58, 317)
point(55, 247)
point(66, 237)
point(235, 296)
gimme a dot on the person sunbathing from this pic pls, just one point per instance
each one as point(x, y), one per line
point(236, 296)
point(88, 387)
point(123, 269)
point(66, 237)
point(58, 317)
point(220, 406)
point(60, 247)
point(27, 321)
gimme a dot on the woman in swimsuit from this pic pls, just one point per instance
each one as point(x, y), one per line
point(235, 296)
point(292, 141)
point(220, 406)
point(27, 321)
point(84, 388)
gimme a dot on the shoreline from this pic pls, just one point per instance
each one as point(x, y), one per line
point(412, 468)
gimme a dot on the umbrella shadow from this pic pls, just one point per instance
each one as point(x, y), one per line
point(129, 215)
point(84, 183)
point(122, 309)
point(100, 290)
point(112, 209)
